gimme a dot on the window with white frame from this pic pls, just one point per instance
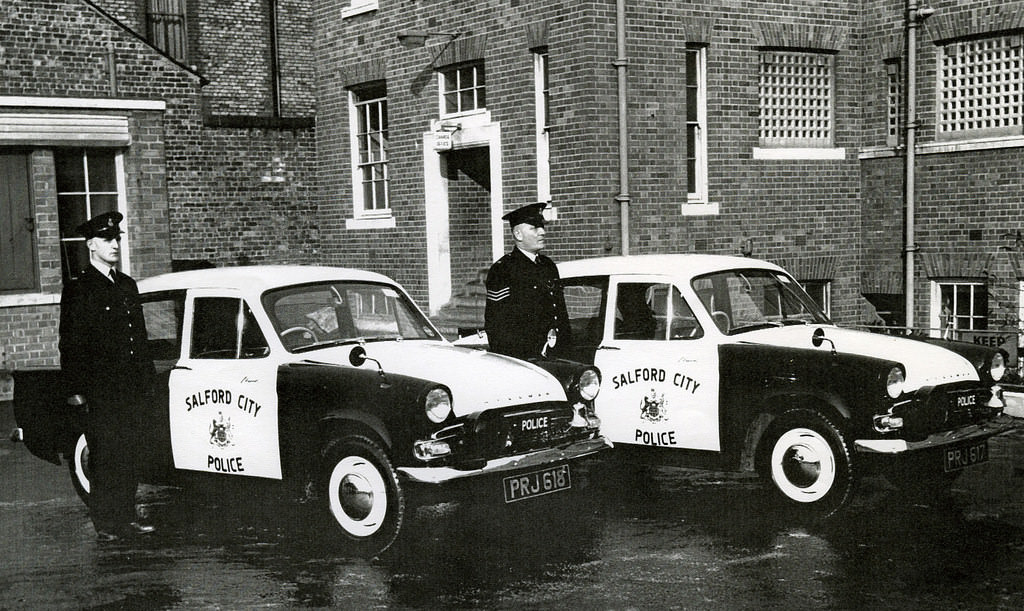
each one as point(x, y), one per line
point(696, 125)
point(463, 88)
point(357, 7)
point(980, 88)
point(542, 100)
point(892, 99)
point(821, 292)
point(960, 306)
point(368, 107)
point(796, 93)
point(89, 182)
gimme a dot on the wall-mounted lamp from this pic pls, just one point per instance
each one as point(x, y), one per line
point(415, 39)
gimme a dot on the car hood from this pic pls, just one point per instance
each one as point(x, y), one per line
point(925, 364)
point(478, 380)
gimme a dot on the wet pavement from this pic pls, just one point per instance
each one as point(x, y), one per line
point(622, 539)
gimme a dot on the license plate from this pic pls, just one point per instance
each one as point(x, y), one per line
point(536, 483)
point(957, 458)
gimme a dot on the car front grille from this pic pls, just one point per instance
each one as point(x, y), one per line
point(508, 432)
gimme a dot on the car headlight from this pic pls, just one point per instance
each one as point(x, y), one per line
point(438, 404)
point(997, 367)
point(589, 384)
point(894, 382)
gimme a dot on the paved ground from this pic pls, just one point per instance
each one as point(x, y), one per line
point(663, 538)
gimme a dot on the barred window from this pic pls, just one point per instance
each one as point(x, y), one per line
point(696, 125)
point(964, 306)
point(542, 99)
point(369, 113)
point(980, 87)
point(463, 88)
point(796, 94)
point(892, 124)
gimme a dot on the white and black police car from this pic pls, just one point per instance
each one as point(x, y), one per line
point(331, 379)
point(726, 363)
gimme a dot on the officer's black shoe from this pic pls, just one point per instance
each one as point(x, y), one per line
point(140, 529)
point(102, 535)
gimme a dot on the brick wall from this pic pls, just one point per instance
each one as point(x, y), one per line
point(787, 208)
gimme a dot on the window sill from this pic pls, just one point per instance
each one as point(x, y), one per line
point(358, 9)
point(787, 153)
point(371, 223)
point(700, 209)
point(946, 146)
point(28, 299)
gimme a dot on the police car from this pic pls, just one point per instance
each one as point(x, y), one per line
point(331, 379)
point(726, 363)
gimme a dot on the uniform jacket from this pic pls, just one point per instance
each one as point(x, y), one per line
point(103, 350)
point(524, 302)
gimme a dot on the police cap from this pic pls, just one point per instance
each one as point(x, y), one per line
point(530, 213)
point(106, 225)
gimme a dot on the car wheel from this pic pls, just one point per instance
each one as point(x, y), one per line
point(362, 494)
point(78, 466)
point(806, 460)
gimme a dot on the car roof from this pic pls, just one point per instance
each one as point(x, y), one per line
point(257, 278)
point(676, 265)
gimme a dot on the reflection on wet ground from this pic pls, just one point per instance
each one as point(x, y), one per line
point(630, 538)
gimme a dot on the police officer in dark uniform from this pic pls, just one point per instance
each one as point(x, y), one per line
point(525, 315)
point(107, 368)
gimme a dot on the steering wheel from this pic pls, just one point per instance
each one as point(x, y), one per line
point(303, 330)
point(721, 320)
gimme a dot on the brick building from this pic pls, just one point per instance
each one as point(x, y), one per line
point(194, 119)
point(763, 128)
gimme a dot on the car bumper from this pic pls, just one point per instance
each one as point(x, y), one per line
point(974, 432)
point(440, 475)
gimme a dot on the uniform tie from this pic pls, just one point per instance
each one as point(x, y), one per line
point(110, 275)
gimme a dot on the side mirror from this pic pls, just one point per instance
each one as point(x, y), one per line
point(357, 357)
point(817, 338)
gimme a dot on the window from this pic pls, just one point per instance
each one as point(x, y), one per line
point(892, 98)
point(89, 182)
point(542, 98)
point(652, 311)
point(225, 328)
point(963, 306)
point(17, 223)
point(979, 90)
point(165, 27)
point(357, 7)
point(369, 124)
point(164, 314)
point(821, 292)
point(696, 125)
point(462, 88)
point(796, 93)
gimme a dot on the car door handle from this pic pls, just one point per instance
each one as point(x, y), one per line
point(182, 367)
point(608, 348)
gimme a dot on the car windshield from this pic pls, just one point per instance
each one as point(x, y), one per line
point(740, 300)
point(309, 316)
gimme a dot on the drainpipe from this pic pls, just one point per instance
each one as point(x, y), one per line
point(620, 64)
point(915, 16)
point(275, 68)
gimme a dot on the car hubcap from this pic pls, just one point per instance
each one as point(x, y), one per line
point(358, 496)
point(803, 466)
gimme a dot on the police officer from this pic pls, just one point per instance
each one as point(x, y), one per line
point(107, 367)
point(525, 315)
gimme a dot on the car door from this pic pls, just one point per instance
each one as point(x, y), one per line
point(659, 368)
point(223, 391)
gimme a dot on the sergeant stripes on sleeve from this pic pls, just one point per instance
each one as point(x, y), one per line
point(499, 294)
